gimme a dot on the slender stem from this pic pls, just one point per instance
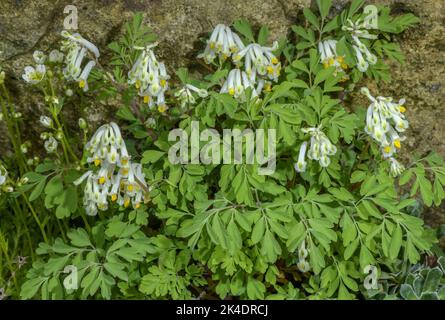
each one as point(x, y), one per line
point(28, 235)
point(36, 218)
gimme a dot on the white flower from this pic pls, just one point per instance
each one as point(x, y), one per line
point(362, 64)
point(396, 167)
point(116, 178)
point(34, 76)
point(150, 78)
point(320, 147)
point(223, 43)
point(261, 60)
point(237, 82)
point(363, 55)
point(56, 56)
point(329, 56)
point(3, 175)
point(358, 29)
point(47, 122)
point(384, 121)
point(51, 145)
point(39, 57)
point(185, 94)
point(77, 49)
point(301, 165)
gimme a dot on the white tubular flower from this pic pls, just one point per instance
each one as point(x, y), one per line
point(47, 122)
point(236, 84)
point(384, 121)
point(3, 175)
point(55, 56)
point(362, 64)
point(185, 95)
point(83, 84)
point(358, 29)
point(34, 76)
point(150, 78)
point(261, 60)
point(329, 56)
point(320, 147)
point(51, 145)
point(39, 57)
point(363, 55)
point(303, 266)
point(301, 165)
point(222, 43)
point(77, 38)
point(396, 167)
point(77, 49)
point(302, 251)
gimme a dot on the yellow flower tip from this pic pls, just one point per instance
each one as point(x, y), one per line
point(397, 144)
point(402, 109)
point(137, 205)
point(340, 59)
point(163, 82)
point(138, 84)
point(130, 187)
point(82, 84)
point(113, 197)
point(387, 149)
point(268, 88)
point(269, 69)
point(97, 162)
point(344, 66)
point(102, 180)
point(325, 65)
point(146, 99)
point(126, 203)
point(331, 61)
point(274, 60)
point(124, 171)
point(232, 91)
point(162, 108)
point(212, 45)
point(124, 161)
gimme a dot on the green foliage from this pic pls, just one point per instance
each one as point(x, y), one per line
point(224, 230)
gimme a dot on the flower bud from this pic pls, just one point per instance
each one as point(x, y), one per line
point(82, 124)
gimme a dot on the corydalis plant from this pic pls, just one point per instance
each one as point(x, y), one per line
point(222, 230)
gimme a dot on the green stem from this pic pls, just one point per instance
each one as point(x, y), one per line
point(28, 235)
point(36, 218)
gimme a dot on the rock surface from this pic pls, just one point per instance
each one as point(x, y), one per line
point(28, 25)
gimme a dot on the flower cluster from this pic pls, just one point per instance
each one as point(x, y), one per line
point(363, 55)
point(320, 149)
point(261, 66)
point(222, 43)
point(185, 95)
point(150, 78)
point(385, 119)
point(259, 60)
point(329, 56)
point(117, 177)
point(77, 48)
point(34, 75)
point(237, 83)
